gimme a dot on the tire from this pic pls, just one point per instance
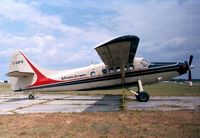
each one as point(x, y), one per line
point(31, 96)
point(143, 96)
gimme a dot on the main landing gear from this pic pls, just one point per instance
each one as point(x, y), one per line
point(141, 95)
point(31, 96)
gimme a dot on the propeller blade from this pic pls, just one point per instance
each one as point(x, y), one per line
point(190, 59)
point(190, 83)
point(189, 75)
point(189, 70)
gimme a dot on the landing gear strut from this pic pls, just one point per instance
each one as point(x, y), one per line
point(31, 96)
point(141, 95)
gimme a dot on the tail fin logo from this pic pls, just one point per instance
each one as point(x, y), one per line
point(41, 79)
point(17, 62)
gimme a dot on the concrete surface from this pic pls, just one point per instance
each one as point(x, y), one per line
point(51, 103)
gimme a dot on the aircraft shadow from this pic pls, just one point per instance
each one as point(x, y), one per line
point(106, 104)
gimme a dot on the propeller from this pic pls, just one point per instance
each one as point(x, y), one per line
point(189, 70)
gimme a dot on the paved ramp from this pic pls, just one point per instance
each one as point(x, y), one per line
point(52, 103)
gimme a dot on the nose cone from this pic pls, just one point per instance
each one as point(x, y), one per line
point(183, 68)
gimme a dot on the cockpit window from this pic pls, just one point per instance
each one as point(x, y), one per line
point(131, 67)
point(118, 69)
point(145, 63)
point(93, 74)
point(104, 71)
point(111, 70)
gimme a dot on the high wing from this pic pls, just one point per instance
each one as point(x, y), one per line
point(119, 51)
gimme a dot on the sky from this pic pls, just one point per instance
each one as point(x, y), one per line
point(62, 34)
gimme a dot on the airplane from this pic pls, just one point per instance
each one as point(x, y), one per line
point(120, 67)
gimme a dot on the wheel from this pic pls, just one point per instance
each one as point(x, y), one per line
point(143, 96)
point(31, 96)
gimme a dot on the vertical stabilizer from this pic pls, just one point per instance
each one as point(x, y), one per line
point(19, 66)
point(20, 72)
point(23, 74)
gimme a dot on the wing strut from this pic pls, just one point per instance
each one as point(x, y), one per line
point(123, 82)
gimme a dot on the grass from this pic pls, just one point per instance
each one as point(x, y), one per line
point(142, 124)
point(175, 89)
point(4, 88)
point(160, 89)
point(179, 124)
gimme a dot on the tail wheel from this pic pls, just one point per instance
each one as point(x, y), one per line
point(143, 96)
point(31, 96)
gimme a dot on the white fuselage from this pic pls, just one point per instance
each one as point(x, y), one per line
point(100, 76)
point(24, 75)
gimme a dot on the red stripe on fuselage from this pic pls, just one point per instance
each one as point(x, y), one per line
point(41, 79)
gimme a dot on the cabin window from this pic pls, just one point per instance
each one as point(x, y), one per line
point(111, 70)
point(104, 71)
point(125, 68)
point(118, 69)
point(131, 67)
point(93, 74)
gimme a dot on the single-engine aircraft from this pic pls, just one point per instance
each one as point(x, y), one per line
point(120, 67)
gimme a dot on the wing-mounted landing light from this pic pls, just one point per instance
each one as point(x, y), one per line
point(190, 66)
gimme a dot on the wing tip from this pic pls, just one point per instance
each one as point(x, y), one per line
point(121, 39)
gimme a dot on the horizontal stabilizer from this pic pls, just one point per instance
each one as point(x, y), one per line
point(19, 74)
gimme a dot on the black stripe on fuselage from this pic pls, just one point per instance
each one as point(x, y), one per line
point(159, 64)
point(181, 68)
